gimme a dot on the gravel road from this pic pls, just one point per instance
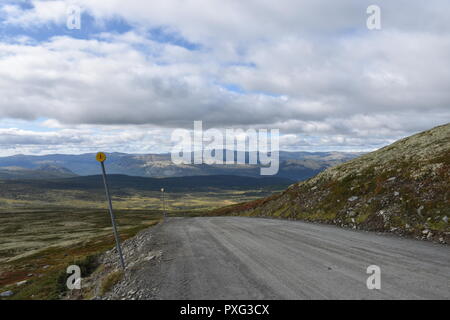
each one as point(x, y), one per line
point(251, 258)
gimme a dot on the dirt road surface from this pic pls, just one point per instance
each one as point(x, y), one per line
point(253, 258)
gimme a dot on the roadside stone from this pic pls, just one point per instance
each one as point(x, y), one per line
point(149, 258)
point(445, 219)
point(8, 293)
point(391, 179)
point(419, 210)
point(353, 198)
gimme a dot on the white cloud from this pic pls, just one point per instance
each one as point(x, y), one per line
point(309, 68)
point(43, 12)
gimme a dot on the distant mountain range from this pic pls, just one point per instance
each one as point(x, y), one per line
point(293, 165)
point(402, 188)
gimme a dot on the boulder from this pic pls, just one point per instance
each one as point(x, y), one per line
point(8, 293)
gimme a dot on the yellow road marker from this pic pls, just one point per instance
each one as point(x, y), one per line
point(100, 157)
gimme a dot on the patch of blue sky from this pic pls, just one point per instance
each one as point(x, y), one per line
point(353, 32)
point(43, 32)
point(149, 52)
point(250, 65)
point(36, 125)
point(269, 94)
point(22, 4)
point(164, 35)
point(235, 88)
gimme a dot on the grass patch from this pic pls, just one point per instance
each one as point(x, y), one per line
point(49, 287)
point(47, 267)
point(110, 280)
point(42, 234)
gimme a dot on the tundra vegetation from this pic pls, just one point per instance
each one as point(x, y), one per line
point(44, 230)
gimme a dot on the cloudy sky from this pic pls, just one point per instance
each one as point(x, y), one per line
point(137, 70)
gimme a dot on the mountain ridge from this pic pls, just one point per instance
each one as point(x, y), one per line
point(42, 172)
point(293, 165)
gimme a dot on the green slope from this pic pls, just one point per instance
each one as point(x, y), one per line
point(401, 188)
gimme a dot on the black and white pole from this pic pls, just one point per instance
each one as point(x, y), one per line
point(101, 157)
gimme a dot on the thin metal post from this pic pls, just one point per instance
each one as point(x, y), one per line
point(113, 219)
point(164, 204)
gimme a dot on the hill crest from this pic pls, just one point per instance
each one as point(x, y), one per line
point(402, 188)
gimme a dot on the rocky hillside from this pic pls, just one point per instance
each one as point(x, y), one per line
point(402, 188)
